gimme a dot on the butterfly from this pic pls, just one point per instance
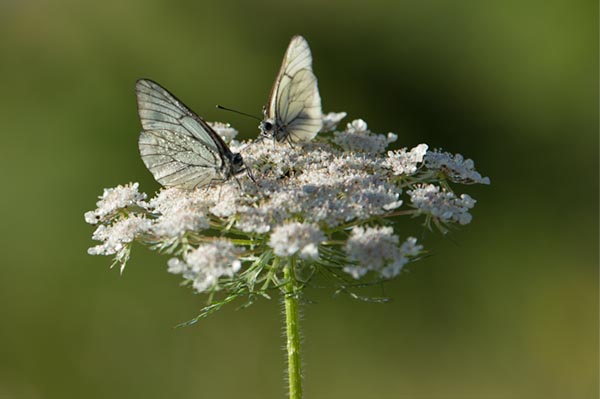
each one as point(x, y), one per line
point(293, 111)
point(177, 146)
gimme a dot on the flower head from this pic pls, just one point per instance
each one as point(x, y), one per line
point(323, 206)
point(405, 163)
point(357, 137)
point(455, 167)
point(114, 199)
point(377, 249)
point(204, 265)
point(179, 211)
point(331, 120)
point(115, 236)
point(442, 205)
point(296, 238)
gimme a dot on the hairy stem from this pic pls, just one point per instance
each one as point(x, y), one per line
point(292, 329)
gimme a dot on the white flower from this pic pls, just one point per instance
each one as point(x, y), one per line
point(179, 211)
point(178, 223)
point(405, 163)
point(226, 203)
point(204, 265)
point(357, 126)
point(457, 168)
point(376, 249)
point(358, 138)
point(117, 235)
point(114, 199)
point(443, 205)
point(224, 130)
point(176, 266)
point(296, 238)
point(409, 249)
point(331, 120)
point(302, 195)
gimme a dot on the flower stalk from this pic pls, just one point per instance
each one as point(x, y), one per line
point(292, 329)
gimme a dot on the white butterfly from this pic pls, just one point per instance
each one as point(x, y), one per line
point(293, 112)
point(178, 146)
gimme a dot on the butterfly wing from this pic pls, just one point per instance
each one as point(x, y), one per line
point(177, 146)
point(300, 107)
point(295, 102)
point(176, 160)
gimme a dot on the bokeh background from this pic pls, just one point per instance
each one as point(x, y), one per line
point(505, 308)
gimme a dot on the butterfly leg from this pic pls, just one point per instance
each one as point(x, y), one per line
point(238, 183)
point(289, 141)
point(248, 171)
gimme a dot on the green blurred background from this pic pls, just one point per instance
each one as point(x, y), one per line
point(506, 308)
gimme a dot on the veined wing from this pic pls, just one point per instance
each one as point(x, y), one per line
point(160, 110)
point(299, 106)
point(296, 58)
point(178, 160)
point(295, 104)
point(176, 145)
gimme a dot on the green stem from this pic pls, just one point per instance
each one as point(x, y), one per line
point(292, 329)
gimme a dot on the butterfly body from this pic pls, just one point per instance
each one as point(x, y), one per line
point(293, 111)
point(176, 145)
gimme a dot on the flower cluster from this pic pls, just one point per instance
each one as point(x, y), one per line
point(323, 206)
point(296, 238)
point(455, 167)
point(116, 236)
point(331, 120)
point(204, 265)
point(403, 162)
point(358, 138)
point(444, 206)
point(377, 248)
point(113, 200)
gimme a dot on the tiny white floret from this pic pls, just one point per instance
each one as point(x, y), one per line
point(296, 238)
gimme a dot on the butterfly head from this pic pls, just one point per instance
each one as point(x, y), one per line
point(237, 167)
point(267, 128)
point(237, 164)
point(273, 129)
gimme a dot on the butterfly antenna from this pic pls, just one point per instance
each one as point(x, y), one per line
point(238, 112)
